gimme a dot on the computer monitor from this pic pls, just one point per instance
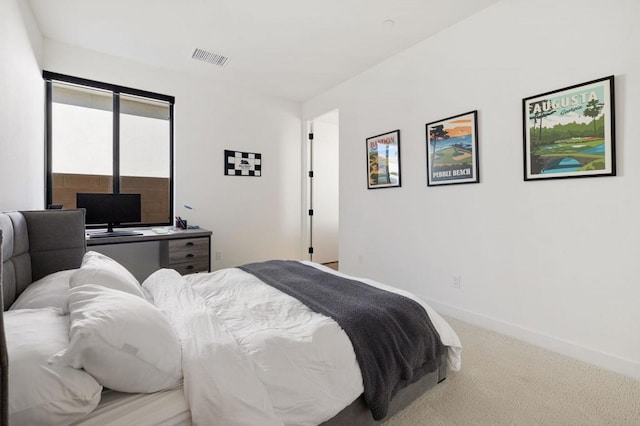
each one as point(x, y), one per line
point(111, 210)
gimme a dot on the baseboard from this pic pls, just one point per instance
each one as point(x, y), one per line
point(571, 349)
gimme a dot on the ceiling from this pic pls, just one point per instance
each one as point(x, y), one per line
point(294, 49)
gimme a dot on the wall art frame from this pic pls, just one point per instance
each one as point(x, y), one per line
point(452, 150)
point(383, 160)
point(237, 163)
point(570, 132)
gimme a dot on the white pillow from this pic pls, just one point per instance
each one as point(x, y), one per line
point(41, 394)
point(96, 268)
point(49, 291)
point(123, 341)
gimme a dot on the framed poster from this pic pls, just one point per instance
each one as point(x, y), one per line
point(383, 160)
point(452, 150)
point(242, 163)
point(570, 132)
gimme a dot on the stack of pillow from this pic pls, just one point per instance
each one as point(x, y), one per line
point(74, 332)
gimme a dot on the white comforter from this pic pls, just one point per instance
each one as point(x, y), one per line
point(254, 355)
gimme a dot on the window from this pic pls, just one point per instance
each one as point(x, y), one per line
point(103, 138)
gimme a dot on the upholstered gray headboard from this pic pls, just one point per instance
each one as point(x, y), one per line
point(38, 243)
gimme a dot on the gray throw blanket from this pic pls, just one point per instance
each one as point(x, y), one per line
point(392, 336)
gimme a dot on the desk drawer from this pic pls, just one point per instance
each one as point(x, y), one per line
point(191, 267)
point(188, 245)
point(187, 256)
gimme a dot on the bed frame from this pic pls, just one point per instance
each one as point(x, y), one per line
point(38, 243)
point(4, 359)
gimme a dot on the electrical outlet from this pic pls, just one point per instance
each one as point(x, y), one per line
point(455, 281)
point(360, 259)
point(218, 255)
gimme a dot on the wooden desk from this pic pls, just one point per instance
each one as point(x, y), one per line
point(186, 251)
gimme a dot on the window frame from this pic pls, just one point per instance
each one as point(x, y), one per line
point(116, 90)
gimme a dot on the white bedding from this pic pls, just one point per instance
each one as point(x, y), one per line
point(254, 355)
point(165, 408)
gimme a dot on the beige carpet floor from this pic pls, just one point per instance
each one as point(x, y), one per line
point(504, 381)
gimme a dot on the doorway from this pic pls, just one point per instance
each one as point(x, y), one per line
point(323, 189)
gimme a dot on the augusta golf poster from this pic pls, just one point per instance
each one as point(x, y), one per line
point(570, 132)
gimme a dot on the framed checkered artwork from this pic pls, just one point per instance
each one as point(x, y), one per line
point(242, 163)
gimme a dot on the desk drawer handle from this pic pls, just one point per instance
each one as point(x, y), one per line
point(189, 267)
point(189, 256)
point(189, 244)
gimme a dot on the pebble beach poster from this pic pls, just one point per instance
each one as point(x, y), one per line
point(452, 150)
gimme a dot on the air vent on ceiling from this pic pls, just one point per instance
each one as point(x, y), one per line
point(212, 58)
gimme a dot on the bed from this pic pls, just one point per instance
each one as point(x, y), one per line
point(235, 347)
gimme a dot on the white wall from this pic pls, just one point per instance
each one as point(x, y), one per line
point(553, 262)
point(21, 103)
point(252, 218)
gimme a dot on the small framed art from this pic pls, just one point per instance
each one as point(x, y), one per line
point(570, 132)
point(242, 163)
point(452, 150)
point(383, 160)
